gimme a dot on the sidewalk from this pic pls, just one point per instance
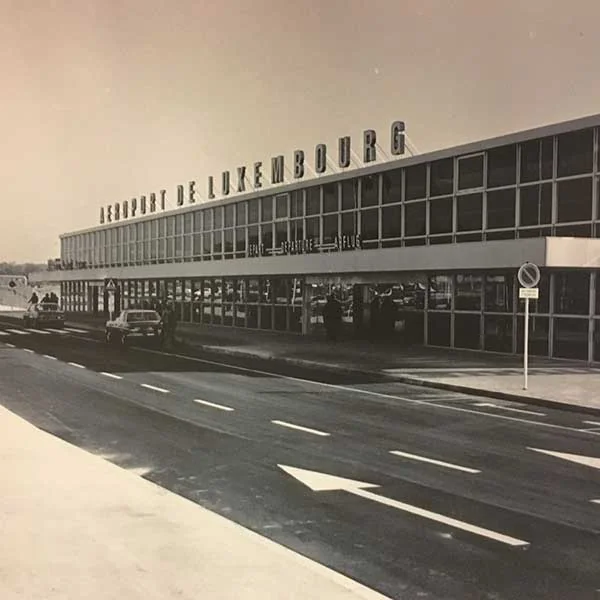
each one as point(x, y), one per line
point(76, 526)
point(552, 382)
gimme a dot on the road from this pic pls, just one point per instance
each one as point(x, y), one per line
point(470, 498)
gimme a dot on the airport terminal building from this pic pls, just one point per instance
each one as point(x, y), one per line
point(441, 235)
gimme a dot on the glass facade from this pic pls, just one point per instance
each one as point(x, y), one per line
point(548, 186)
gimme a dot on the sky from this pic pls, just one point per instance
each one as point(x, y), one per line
point(106, 100)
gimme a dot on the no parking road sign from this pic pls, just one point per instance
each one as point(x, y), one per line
point(528, 275)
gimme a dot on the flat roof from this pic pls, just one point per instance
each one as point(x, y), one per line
point(405, 161)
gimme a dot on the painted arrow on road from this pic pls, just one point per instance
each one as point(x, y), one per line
point(321, 482)
point(588, 461)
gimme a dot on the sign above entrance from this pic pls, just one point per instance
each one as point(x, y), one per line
point(528, 275)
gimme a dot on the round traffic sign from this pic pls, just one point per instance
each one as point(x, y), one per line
point(529, 275)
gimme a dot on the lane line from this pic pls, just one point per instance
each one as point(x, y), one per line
point(434, 462)
point(519, 410)
point(50, 357)
point(214, 405)
point(112, 375)
point(334, 386)
point(10, 345)
point(18, 331)
point(300, 428)
point(56, 330)
point(42, 331)
point(592, 423)
point(427, 514)
point(28, 350)
point(153, 387)
point(4, 333)
point(595, 501)
point(74, 364)
point(74, 330)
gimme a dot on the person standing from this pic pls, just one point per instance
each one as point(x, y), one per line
point(34, 299)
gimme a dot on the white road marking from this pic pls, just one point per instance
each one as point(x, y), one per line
point(50, 357)
point(214, 405)
point(595, 501)
point(74, 364)
point(300, 428)
point(112, 375)
point(42, 331)
point(519, 410)
point(433, 461)
point(324, 482)
point(334, 386)
point(153, 387)
point(592, 423)
point(4, 333)
point(56, 330)
point(74, 330)
point(18, 331)
point(10, 345)
point(588, 461)
point(28, 350)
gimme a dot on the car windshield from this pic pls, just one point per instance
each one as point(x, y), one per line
point(47, 306)
point(146, 315)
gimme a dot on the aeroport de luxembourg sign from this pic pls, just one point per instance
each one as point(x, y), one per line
point(153, 202)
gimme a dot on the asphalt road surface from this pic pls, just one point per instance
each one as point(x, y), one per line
point(414, 492)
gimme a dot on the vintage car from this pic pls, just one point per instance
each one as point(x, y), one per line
point(144, 324)
point(44, 313)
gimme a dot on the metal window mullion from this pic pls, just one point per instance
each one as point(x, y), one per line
point(593, 280)
point(452, 307)
point(551, 314)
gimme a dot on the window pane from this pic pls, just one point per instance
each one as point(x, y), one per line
point(538, 336)
point(498, 333)
point(441, 177)
point(240, 210)
point(370, 190)
point(330, 229)
point(296, 230)
point(330, 198)
point(438, 329)
point(297, 203)
point(414, 216)
point(313, 229)
point(369, 228)
point(392, 186)
point(313, 200)
point(536, 160)
point(470, 172)
point(501, 209)
point(415, 182)
point(468, 212)
point(253, 211)
point(468, 291)
point(266, 209)
point(253, 236)
point(440, 215)
point(207, 225)
point(466, 331)
point(228, 240)
point(575, 153)
point(440, 292)
point(229, 213)
point(502, 166)
point(218, 242)
point(536, 204)
point(571, 338)
point(349, 194)
point(499, 292)
point(281, 206)
point(571, 292)
point(240, 239)
point(170, 228)
point(218, 217)
point(574, 200)
point(266, 233)
point(281, 233)
point(391, 221)
point(349, 223)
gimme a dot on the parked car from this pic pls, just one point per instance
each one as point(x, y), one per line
point(38, 315)
point(144, 324)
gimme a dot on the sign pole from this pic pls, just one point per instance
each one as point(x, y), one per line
point(526, 348)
